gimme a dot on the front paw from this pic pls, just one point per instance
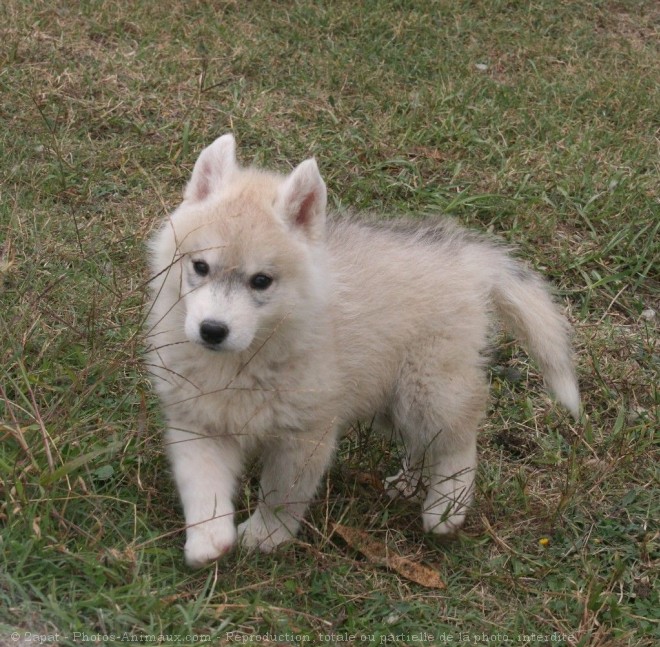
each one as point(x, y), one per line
point(267, 530)
point(209, 540)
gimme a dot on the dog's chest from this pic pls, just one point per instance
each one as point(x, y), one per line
point(252, 400)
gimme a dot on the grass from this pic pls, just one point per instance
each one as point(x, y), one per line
point(536, 121)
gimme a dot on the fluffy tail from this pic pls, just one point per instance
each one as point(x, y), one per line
point(528, 310)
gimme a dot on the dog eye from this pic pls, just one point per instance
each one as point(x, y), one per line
point(201, 268)
point(260, 281)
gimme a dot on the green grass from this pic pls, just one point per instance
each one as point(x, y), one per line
point(537, 121)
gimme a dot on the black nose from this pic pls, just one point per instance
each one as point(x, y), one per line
point(213, 332)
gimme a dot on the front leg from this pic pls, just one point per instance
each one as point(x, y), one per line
point(205, 469)
point(294, 464)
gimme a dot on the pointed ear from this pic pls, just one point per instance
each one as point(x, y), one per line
point(302, 199)
point(215, 163)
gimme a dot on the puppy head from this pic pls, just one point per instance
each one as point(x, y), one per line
point(246, 249)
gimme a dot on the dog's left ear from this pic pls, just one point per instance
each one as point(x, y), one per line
point(302, 199)
point(212, 169)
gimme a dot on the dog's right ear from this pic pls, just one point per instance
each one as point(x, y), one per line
point(214, 165)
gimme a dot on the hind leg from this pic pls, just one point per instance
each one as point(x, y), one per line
point(408, 482)
point(450, 488)
point(438, 408)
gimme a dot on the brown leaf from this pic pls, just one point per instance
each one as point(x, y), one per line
point(379, 553)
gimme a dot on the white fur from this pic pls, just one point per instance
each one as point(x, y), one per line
point(361, 319)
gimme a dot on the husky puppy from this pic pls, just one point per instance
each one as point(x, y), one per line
point(272, 327)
